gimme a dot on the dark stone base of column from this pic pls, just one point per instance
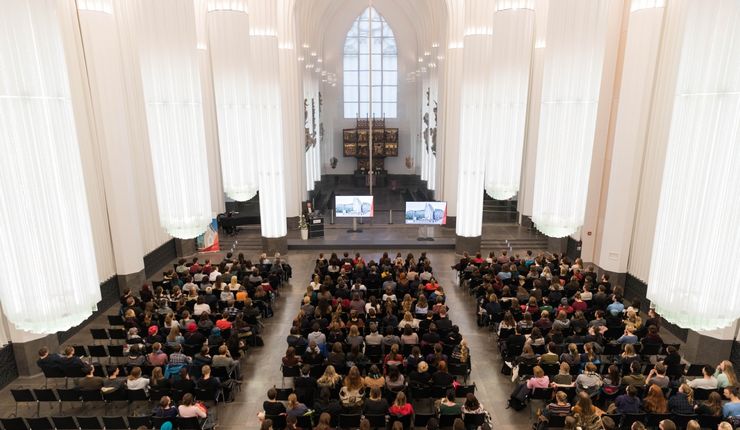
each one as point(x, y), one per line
point(134, 281)
point(271, 245)
point(471, 245)
point(185, 247)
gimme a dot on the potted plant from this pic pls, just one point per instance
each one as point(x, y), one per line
point(303, 226)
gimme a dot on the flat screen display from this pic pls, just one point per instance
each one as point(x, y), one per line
point(426, 213)
point(354, 206)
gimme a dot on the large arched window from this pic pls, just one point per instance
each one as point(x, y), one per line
point(358, 67)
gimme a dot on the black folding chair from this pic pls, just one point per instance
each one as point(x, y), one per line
point(14, 423)
point(305, 421)
point(91, 423)
point(349, 421)
point(290, 372)
point(283, 393)
point(44, 395)
point(117, 334)
point(278, 421)
point(447, 420)
point(158, 422)
point(115, 320)
point(91, 396)
point(420, 420)
point(682, 420)
point(51, 373)
point(67, 395)
point(98, 351)
point(135, 422)
point(405, 420)
point(377, 421)
point(40, 423)
point(65, 423)
point(473, 421)
point(136, 396)
point(115, 423)
point(99, 334)
point(22, 395)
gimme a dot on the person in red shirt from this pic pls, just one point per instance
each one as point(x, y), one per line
point(400, 407)
point(579, 304)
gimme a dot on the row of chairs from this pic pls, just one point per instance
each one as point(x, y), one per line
point(352, 421)
point(60, 396)
point(625, 421)
point(96, 423)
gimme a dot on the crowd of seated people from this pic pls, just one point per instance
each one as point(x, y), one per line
point(185, 336)
point(564, 328)
point(367, 336)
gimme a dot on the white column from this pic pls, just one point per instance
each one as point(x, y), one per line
point(168, 54)
point(267, 117)
point(42, 193)
point(450, 105)
point(292, 106)
point(476, 115)
point(635, 96)
point(105, 73)
point(698, 197)
point(576, 39)
point(525, 198)
point(511, 57)
point(228, 36)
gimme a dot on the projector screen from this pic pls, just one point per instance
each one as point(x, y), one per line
point(426, 213)
point(354, 206)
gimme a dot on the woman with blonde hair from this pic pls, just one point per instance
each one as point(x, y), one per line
point(683, 401)
point(725, 375)
point(655, 402)
point(633, 319)
point(174, 337)
point(329, 379)
point(408, 321)
point(400, 406)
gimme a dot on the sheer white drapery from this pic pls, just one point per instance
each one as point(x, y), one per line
point(698, 198)
point(267, 118)
point(576, 39)
point(476, 115)
point(43, 208)
point(512, 55)
point(228, 36)
point(174, 109)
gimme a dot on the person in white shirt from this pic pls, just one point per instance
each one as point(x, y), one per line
point(135, 381)
point(213, 275)
point(198, 277)
point(707, 382)
point(189, 285)
point(201, 307)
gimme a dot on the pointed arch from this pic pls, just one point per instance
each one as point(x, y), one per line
point(359, 66)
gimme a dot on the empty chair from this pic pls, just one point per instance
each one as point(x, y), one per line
point(51, 372)
point(461, 391)
point(39, 423)
point(191, 423)
point(22, 395)
point(14, 423)
point(115, 320)
point(157, 422)
point(98, 351)
point(290, 372)
point(67, 395)
point(136, 396)
point(283, 393)
point(115, 423)
point(135, 422)
point(88, 396)
point(44, 395)
point(64, 423)
point(99, 334)
point(117, 334)
point(92, 423)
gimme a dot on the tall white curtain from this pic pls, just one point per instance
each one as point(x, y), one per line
point(43, 209)
point(699, 198)
point(171, 82)
point(576, 39)
point(266, 99)
point(511, 58)
point(476, 115)
point(228, 35)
